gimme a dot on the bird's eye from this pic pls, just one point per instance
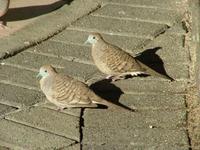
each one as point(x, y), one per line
point(93, 37)
point(45, 71)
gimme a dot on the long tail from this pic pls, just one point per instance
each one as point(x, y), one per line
point(150, 71)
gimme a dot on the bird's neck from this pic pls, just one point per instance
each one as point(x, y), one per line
point(46, 82)
point(99, 45)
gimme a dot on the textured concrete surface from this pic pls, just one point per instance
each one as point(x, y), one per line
point(151, 30)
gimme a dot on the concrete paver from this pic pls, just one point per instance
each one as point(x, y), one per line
point(129, 28)
point(133, 13)
point(20, 96)
point(171, 4)
point(137, 26)
point(79, 37)
point(18, 136)
point(163, 119)
point(134, 146)
point(37, 117)
point(153, 101)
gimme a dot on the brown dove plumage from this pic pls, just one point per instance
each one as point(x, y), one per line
point(4, 4)
point(65, 91)
point(115, 62)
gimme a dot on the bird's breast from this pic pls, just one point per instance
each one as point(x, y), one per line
point(100, 61)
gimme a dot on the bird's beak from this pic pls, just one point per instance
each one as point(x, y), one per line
point(38, 76)
point(86, 42)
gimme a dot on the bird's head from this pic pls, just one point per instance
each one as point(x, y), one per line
point(45, 71)
point(93, 38)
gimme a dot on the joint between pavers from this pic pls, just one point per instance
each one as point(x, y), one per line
point(40, 129)
point(81, 125)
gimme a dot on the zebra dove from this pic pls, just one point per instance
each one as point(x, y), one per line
point(116, 63)
point(4, 4)
point(66, 92)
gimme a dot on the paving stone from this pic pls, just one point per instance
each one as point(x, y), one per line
point(141, 85)
point(73, 147)
point(147, 101)
point(172, 48)
point(139, 13)
point(120, 132)
point(133, 147)
point(20, 96)
point(48, 120)
point(74, 111)
point(170, 4)
point(19, 75)
point(18, 136)
point(149, 137)
point(67, 51)
point(122, 27)
point(162, 119)
point(26, 59)
point(5, 109)
point(79, 37)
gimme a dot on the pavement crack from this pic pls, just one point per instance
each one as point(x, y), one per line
point(81, 127)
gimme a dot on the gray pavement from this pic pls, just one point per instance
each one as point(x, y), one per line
point(139, 27)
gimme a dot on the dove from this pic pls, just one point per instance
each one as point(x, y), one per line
point(4, 4)
point(67, 92)
point(115, 62)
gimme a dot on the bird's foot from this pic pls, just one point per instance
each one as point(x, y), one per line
point(60, 109)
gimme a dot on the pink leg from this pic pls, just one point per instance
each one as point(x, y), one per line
point(60, 109)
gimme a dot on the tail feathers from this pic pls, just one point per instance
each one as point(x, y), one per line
point(152, 72)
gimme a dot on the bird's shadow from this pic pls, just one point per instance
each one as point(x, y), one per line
point(152, 60)
point(23, 13)
point(108, 91)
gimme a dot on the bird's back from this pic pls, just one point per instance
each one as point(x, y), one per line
point(69, 91)
point(119, 61)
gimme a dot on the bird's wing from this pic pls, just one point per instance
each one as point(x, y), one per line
point(119, 60)
point(70, 91)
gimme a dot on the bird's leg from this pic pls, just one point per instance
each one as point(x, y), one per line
point(60, 109)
